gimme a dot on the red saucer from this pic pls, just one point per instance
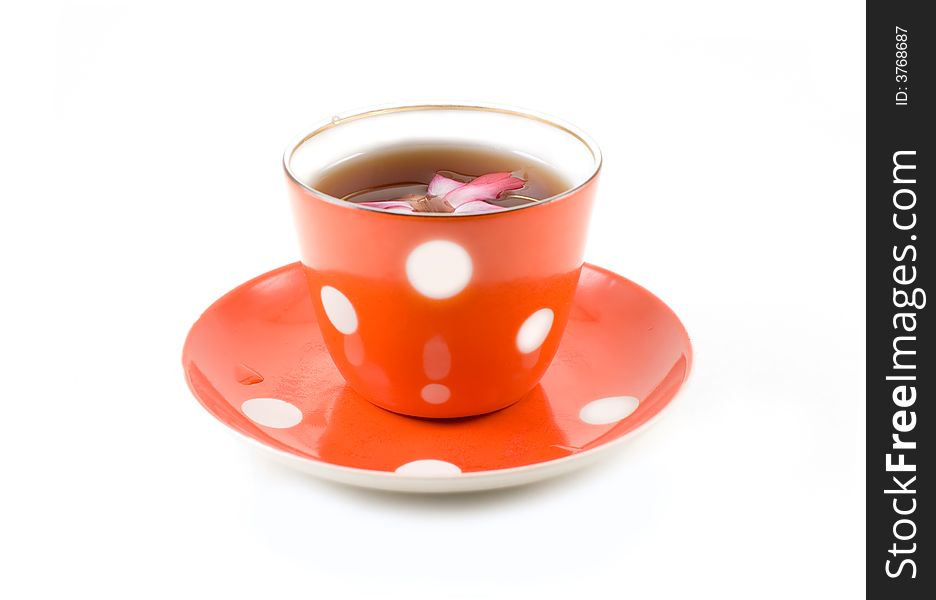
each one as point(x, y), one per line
point(256, 361)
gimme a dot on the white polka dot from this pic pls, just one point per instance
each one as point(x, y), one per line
point(534, 330)
point(608, 410)
point(339, 310)
point(272, 412)
point(439, 269)
point(428, 468)
point(437, 361)
point(435, 393)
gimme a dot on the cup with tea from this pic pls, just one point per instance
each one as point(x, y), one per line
point(442, 245)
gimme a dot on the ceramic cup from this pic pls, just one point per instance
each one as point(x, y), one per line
point(438, 315)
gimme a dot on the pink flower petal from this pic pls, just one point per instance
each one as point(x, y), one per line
point(442, 185)
point(486, 187)
point(391, 205)
point(476, 206)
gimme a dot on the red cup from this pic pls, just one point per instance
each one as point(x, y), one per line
point(435, 315)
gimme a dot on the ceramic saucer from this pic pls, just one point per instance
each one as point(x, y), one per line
point(256, 361)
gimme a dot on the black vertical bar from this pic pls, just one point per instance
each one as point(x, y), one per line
point(900, 365)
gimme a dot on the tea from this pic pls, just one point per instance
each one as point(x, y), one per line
point(434, 178)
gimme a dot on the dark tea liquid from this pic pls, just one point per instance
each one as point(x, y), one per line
point(391, 173)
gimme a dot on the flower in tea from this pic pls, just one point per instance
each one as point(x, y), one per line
point(449, 195)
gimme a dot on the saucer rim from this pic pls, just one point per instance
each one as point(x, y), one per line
point(455, 483)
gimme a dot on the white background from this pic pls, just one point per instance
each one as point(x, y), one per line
point(141, 179)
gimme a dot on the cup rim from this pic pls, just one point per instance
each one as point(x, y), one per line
point(373, 111)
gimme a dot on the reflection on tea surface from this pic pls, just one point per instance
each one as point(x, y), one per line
point(441, 179)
